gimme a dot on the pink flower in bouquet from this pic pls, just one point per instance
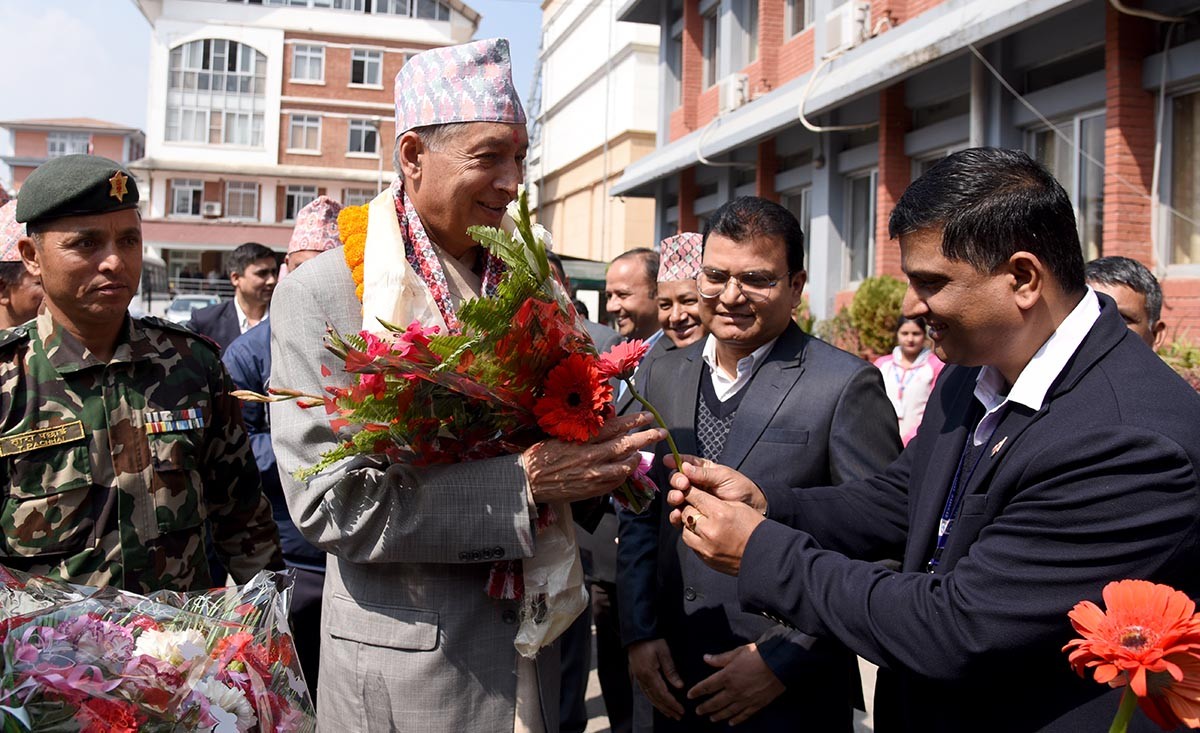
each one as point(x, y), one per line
point(572, 406)
point(622, 360)
point(98, 638)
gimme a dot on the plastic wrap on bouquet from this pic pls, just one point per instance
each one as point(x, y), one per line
point(219, 660)
point(23, 596)
point(554, 593)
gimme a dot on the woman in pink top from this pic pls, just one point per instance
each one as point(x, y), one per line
point(909, 373)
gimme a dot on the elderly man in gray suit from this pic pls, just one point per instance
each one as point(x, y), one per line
point(759, 394)
point(411, 641)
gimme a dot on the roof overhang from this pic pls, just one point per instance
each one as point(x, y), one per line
point(150, 165)
point(640, 11)
point(932, 37)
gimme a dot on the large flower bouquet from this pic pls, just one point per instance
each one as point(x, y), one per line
point(107, 660)
point(519, 368)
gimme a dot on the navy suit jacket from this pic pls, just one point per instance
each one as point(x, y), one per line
point(248, 360)
point(811, 414)
point(1099, 484)
point(218, 322)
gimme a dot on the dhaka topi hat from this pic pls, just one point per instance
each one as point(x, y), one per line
point(679, 257)
point(316, 226)
point(471, 82)
point(75, 185)
point(10, 233)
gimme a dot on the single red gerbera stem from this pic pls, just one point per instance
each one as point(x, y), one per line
point(1129, 705)
point(658, 419)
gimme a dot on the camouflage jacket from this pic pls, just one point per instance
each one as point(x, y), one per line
point(109, 471)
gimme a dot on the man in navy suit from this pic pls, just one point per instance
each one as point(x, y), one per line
point(787, 409)
point(253, 272)
point(1059, 454)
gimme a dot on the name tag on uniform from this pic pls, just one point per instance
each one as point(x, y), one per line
point(166, 421)
point(11, 445)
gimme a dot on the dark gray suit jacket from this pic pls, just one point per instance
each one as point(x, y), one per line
point(218, 322)
point(811, 415)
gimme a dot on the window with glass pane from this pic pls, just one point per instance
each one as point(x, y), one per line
point(800, 204)
point(860, 243)
point(675, 69)
point(1090, 200)
point(296, 198)
point(216, 93)
point(241, 200)
point(308, 62)
point(363, 137)
point(366, 67)
point(357, 196)
point(1185, 180)
point(186, 195)
point(59, 144)
point(712, 47)
point(799, 15)
point(432, 10)
point(305, 133)
point(1073, 156)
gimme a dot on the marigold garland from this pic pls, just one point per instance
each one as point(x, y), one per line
point(352, 229)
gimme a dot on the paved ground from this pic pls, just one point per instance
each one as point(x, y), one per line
point(598, 721)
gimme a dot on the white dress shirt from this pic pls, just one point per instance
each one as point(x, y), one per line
point(723, 385)
point(1046, 365)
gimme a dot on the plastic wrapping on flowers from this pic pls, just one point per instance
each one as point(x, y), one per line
point(220, 660)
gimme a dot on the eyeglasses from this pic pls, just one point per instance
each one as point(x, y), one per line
point(756, 286)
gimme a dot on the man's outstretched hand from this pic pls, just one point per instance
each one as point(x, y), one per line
point(720, 481)
point(716, 530)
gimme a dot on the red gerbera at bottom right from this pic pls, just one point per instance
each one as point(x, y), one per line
point(1148, 640)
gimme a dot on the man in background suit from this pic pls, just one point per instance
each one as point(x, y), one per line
point(787, 409)
point(253, 272)
point(410, 638)
point(1058, 454)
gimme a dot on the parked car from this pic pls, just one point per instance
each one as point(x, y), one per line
point(180, 309)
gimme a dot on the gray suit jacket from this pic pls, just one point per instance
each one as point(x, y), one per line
point(411, 641)
point(811, 415)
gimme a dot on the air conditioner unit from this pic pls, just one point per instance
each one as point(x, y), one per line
point(733, 93)
point(210, 209)
point(847, 26)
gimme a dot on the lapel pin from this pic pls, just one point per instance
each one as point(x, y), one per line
point(996, 448)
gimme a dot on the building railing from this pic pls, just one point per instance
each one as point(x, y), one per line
point(202, 285)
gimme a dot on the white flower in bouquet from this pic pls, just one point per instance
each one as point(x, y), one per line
point(173, 647)
point(228, 706)
point(541, 234)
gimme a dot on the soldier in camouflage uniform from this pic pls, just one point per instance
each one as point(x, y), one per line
point(118, 436)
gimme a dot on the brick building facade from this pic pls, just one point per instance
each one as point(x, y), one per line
point(898, 86)
point(256, 107)
point(36, 141)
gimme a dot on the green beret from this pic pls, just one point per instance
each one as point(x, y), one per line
point(75, 185)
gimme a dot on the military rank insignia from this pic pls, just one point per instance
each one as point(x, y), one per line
point(166, 421)
point(118, 189)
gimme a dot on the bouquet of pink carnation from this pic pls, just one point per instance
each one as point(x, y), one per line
point(219, 660)
point(519, 367)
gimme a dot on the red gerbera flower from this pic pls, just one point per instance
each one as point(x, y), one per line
point(622, 360)
point(572, 406)
point(1149, 639)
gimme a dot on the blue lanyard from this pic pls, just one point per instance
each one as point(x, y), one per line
point(946, 523)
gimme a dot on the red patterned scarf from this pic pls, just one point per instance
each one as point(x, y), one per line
point(421, 255)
